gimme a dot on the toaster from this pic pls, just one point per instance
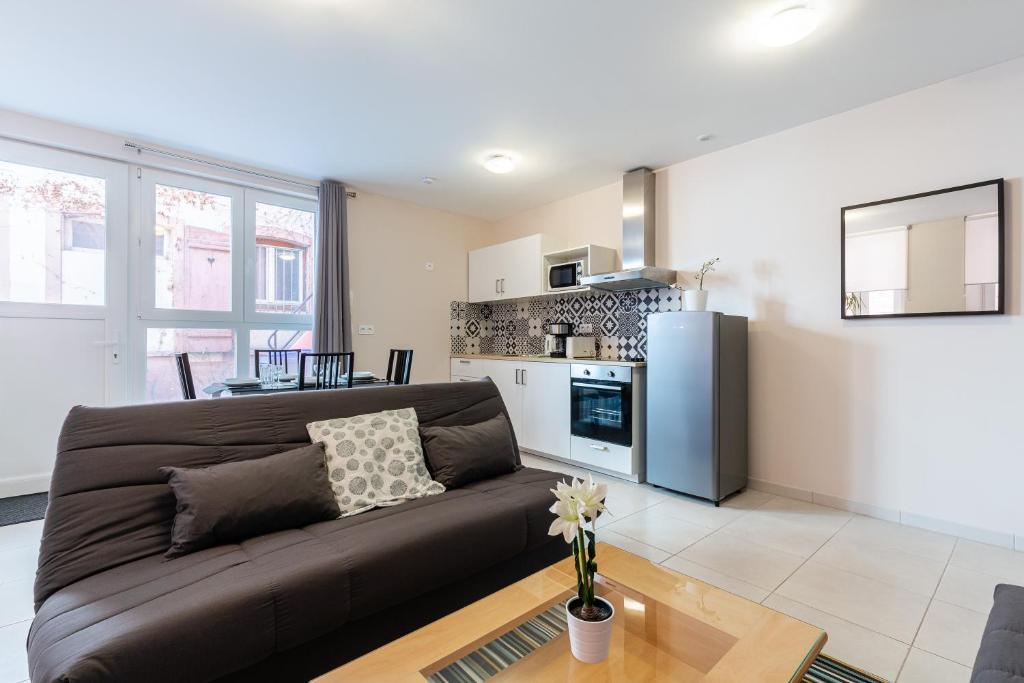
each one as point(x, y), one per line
point(580, 347)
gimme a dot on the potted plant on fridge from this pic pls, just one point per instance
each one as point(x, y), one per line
point(697, 299)
point(589, 616)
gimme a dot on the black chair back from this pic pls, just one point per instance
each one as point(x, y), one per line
point(327, 370)
point(188, 389)
point(277, 357)
point(399, 366)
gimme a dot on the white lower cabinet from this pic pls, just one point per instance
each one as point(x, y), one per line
point(536, 396)
point(607, 456)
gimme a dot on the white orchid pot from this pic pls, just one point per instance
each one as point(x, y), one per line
point(589, 640)
point(696, 299)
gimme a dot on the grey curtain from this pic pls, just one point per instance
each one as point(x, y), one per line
point(332, 330)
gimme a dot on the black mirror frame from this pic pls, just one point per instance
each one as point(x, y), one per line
point(1000, 187)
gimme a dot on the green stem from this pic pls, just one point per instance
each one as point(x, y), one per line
point(581, 566)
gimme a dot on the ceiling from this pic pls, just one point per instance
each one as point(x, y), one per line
point(379, 93)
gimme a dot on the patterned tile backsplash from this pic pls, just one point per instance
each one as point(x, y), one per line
point(618, 322)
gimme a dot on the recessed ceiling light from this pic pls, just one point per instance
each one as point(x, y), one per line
point(500, 163)
point(428, 180)
point(789, 25)
point(704, 137)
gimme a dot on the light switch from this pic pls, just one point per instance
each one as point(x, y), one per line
point(366, 329)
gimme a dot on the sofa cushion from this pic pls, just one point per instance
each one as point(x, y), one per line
point(238, 500)
point(463, 454)
point(374, 460)
point(222, 609)
point(1001, 654)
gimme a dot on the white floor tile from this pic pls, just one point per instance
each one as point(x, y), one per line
point(739, 558)
point(884, 535)
point(747, 499)
point(805, 514)
point(780, 533)
point(18, 563)
point(968, 588)
point(655, 529)
point(13, 659)
point(632, 545)
point(853, 644)
point(989, 559)
point(18, 535)
point(715, 578)
point(700, 513)
point(924, 667)
point(914, 573)
point(16, 603)
point(872, 604)
point(951, 632)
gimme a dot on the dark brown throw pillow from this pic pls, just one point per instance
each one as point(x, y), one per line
point(238, 500)
point(460, 455)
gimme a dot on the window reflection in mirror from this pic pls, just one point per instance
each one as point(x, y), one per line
point(936, 253)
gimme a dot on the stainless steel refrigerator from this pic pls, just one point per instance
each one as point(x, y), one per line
point(697, 403)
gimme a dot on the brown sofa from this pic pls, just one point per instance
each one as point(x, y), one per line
point(281, 607)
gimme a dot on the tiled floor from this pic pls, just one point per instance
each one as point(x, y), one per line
point(900, 602)
point(903, 603)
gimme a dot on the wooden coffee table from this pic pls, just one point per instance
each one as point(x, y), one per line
point(668, 627)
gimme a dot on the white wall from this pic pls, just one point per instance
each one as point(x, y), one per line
point(917, 415)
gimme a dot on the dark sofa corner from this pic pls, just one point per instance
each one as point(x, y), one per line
point(1001, 654)
point(281, 607)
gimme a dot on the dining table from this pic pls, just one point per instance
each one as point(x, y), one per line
point(220, 389)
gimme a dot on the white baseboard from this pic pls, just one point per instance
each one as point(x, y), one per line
point(1002, 539)
point(780, 490)
point(19, 486)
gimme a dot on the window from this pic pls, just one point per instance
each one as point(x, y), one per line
point(231, 271)
point(211, 355)
point(195, 273)
point(52, 236)
point(284, 259)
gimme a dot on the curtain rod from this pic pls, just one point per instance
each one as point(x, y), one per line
point(152, 150)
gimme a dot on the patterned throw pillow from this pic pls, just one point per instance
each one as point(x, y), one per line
point(374, 460)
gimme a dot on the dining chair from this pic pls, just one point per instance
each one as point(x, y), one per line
point(276, 357)
point(399, 366)
point(188, 388)
point(328, 370)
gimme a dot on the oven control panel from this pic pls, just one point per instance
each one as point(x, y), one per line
point(606, 373)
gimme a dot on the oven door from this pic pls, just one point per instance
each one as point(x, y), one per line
point(562, 275)
point(602, 411)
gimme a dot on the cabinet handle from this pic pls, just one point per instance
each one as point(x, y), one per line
point(517, 375)
point(597, 448)
point(524, 377)
point(496, 290)
point(502, 285)
point(464, 362)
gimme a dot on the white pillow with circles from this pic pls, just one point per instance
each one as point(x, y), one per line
point(374, 460)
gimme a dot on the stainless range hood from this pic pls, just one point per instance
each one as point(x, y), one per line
point(638, 269)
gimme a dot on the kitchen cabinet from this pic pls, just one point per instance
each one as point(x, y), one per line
point(510, 270)
point(536, 396)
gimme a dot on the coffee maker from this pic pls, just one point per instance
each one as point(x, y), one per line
point(554, 340)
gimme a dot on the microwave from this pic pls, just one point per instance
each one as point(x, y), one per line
point(565, 275)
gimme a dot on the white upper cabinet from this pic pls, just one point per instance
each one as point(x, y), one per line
point(510, 270)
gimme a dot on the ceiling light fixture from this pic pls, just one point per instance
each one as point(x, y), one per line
point(789, 25)
point(500, 163)
point(427, 180)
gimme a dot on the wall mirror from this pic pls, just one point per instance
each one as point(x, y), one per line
point(934, 253)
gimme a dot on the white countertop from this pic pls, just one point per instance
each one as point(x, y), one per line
point(548, 359)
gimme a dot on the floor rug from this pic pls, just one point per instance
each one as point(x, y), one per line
point(494, 657)
point(18, 509)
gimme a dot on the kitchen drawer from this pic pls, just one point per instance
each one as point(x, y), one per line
point(608, 456)
point(467, 367)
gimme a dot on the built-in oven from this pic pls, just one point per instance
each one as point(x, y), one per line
point(565, 275)
point(602, 402)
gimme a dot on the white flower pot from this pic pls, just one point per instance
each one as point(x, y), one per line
point(589, 640)
point(696, 299)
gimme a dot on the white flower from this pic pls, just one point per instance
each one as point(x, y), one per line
point(590, 497)
point(567, 520)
